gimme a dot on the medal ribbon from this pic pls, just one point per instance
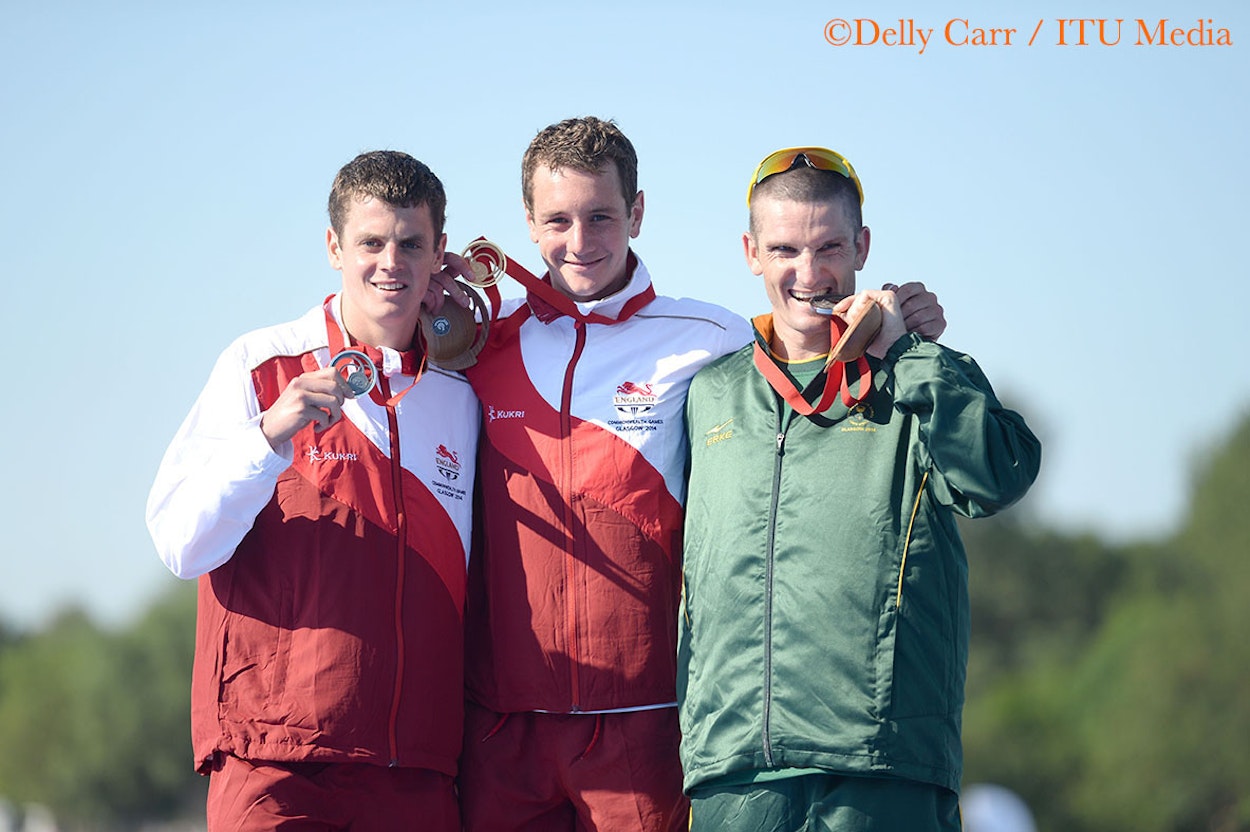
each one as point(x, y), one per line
point(410, 363)
point(835, 375)
point(548, 294)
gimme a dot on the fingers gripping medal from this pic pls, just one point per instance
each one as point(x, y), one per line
point(859, 332)
point(456, 335)
point(357, 369)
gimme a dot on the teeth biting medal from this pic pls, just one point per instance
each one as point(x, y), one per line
point(824, 303)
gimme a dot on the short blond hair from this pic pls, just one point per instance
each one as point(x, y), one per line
point(811, 187)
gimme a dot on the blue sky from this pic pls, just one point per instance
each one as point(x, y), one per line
point(166, 166)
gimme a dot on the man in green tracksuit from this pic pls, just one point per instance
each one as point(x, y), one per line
point(824, 628)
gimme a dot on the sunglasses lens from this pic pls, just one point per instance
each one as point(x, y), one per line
point(816, 157)
point(778, 162)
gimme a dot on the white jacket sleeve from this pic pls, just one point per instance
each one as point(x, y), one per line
point(217, 474)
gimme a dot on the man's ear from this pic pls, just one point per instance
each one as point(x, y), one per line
point(529, 220)
point(439, 252)
point(333, 250)
point(752, 253)
point(861, 247)
point(635, 215)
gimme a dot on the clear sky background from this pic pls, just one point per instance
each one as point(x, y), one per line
point(1080, 211)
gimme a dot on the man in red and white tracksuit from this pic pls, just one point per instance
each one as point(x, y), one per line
point(329, 532)
point(571, 639)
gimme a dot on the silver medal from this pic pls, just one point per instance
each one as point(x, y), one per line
point(357, 369)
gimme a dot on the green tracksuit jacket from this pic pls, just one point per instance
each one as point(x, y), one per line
point(825, 606)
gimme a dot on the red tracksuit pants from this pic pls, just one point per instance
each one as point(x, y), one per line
point(535, 772)
point(258, 795)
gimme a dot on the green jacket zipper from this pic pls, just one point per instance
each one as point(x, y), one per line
point(770, 554)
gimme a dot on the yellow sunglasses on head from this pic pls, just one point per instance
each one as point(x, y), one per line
point(820, 158)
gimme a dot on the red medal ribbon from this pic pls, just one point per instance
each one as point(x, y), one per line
point(560, 304)
point(835, 376)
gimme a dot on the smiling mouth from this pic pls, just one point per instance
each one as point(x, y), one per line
point(583, 264)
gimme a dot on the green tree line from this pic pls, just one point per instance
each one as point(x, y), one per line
point(95, 725)
point(1109, 685)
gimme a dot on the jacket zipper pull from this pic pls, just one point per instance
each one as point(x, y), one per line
point(781, 438)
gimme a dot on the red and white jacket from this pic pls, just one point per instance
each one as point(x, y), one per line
point(574, 584)
point(332, 576)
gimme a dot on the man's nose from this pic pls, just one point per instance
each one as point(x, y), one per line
point(389, 256)
point(577, 236)
point(805, 269)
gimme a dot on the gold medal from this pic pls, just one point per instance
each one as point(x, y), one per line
point(487, 261)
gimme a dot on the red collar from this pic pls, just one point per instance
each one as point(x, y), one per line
point(548, 304)
point(412, 361)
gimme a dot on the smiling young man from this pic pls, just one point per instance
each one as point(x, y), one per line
point(824, 627)
point(582, 223)
point(572, 719)
point(330, 539)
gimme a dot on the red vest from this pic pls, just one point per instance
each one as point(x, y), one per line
point(576, 570)
point(334, 632)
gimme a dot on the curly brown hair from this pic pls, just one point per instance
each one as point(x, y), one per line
point(584, 144)
point(391, 176)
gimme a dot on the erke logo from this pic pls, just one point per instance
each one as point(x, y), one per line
point(721, 432)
